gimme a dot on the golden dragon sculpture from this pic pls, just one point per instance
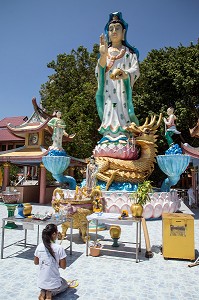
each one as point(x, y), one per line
point(134, 171)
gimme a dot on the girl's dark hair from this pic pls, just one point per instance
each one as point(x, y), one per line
point(47, 237)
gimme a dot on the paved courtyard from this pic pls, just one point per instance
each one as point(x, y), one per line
point(110, 276)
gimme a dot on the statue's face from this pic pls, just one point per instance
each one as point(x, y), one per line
point(59, 114)
point(115, 32)
point(92, 161)
point(170, 111)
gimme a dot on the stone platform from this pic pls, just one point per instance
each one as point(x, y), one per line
point(115, 202)
point(113, 275)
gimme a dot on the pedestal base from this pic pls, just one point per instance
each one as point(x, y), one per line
point(11, 210)
point(10, 225)
point(115, 242)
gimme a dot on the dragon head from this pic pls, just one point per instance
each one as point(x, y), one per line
point(145, 132)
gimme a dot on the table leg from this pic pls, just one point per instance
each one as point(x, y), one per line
point(25, 238)
point(96, 230)
point(87, 237)
point(2, 238)
point(140, 235)
point(137, 247)
point(71, 236)
point(37, 235)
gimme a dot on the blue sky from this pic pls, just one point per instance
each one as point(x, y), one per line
point(32, 33)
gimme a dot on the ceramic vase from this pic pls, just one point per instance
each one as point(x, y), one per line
point(115, 231)
point(20, 214)
point(27, 209)
point(137, 210)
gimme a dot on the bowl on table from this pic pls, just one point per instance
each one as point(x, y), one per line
point(11, 197)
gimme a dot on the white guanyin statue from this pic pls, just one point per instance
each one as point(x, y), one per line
point(125, 154)
point(116, 72)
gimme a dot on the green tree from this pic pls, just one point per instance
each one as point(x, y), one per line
point(71, 89)
point(170, 77)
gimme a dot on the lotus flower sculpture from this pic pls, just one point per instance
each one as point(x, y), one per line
point(119, 151)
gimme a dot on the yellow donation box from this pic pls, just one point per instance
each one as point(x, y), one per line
point(178, 236)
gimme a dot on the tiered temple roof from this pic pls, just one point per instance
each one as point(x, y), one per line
point(29, 155)
point(5, 134)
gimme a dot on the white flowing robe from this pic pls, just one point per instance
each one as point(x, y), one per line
point(114, 97)
point(58, 132)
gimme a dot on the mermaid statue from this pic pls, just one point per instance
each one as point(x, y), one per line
point(173, 163)
point(170, 130)
point(56, 161)
point(170, 126)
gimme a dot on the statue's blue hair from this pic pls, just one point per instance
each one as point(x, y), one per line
point(125, 26)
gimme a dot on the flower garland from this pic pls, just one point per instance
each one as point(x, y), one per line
point(113, 58)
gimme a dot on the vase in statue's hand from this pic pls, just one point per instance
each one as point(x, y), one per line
point(118, 74)
point(71, 136)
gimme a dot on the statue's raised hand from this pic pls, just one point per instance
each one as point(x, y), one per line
point(103, 49)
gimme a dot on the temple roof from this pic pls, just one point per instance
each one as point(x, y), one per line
point(35, 123)
point(19, 126)
point(7, 136)
point(23, 155)
point(21, 130)
point(13, 120)
point(189, 150)
point(31, 156)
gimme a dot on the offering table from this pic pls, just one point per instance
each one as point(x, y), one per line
point(112, 219)
point(28, 224)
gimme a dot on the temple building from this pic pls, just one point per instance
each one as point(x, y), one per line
point(24, 144)
point(9, 141)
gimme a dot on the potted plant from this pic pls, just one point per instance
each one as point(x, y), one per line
point(95, 248)
point(141, 197)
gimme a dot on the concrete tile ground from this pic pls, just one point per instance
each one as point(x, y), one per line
point(113, 275)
